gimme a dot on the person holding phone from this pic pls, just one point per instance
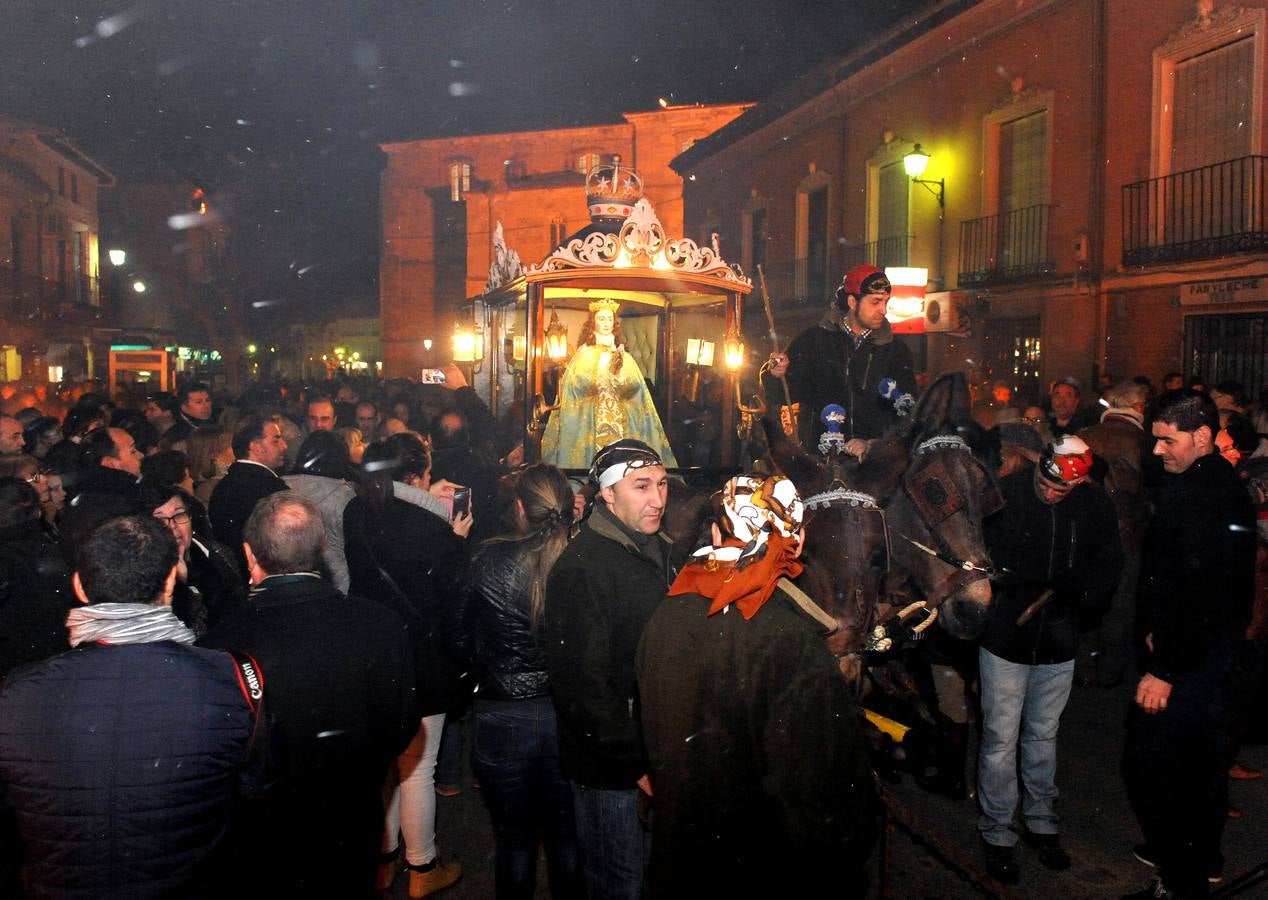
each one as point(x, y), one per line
point(402, 555)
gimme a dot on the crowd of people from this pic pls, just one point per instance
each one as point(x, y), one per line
point(244, 640)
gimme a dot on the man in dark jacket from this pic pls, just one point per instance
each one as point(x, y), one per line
point(340, 687)
point(761, 781)
point(1196, 590)
point(125, 757)
point(260, 453)
point(1119, 440)
point(1055, 548)
point(35, 592)
point(852, 359)
point(111, 464)
point(599, 597)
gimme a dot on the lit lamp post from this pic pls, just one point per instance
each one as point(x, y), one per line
point(914, 164)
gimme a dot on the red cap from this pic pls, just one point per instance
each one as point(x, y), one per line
point(863, 279)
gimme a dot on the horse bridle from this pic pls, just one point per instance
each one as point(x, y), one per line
point(880, 636)
point(943, 553)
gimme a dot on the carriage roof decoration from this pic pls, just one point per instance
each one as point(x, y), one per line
point(624, 233)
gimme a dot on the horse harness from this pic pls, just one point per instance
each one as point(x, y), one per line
point(936, 498)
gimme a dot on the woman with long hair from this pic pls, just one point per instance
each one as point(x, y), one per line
point(413, 560)
point(516, 747)
point(210, 456)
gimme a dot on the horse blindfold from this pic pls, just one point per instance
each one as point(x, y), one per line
point(937, 496)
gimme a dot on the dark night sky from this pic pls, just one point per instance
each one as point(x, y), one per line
point(277, 105)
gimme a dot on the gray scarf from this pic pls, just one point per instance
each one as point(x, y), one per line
point(125, 623)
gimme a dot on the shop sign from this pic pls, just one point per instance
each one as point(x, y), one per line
point(1225, 290)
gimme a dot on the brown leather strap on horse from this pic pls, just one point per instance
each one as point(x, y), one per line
point(1033, 609)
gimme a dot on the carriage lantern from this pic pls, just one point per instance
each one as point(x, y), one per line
point(556, 338)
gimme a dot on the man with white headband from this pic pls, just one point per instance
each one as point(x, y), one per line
point(1056, 550)
point(599, 597)
point(760, 775)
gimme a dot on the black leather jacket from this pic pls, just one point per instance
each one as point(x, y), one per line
point(494, 632)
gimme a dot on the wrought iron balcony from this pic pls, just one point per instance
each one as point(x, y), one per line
point(26, 295)
point(1196, 214)
point(890, 251)
point(1011, 246)
point(806, 281)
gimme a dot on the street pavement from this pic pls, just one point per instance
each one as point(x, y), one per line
point(1097, 826)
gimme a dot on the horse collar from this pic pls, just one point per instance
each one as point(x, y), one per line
point(943, 442)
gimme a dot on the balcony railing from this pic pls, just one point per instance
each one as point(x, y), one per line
point(890, 251)
point(1197, 214)
point(806, 281)
point(24, 294)
point(1011, 246)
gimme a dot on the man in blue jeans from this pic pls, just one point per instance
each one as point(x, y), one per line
point(1056, 551)
point(599, 597)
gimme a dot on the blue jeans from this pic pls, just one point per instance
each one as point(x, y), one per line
point(516, 758)
point(1026, 702)
point(614, 845)
point(449, 763)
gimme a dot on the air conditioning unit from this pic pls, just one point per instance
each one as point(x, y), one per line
point(944, 310)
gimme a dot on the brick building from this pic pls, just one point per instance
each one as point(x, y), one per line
point(50, 291)
point(442, 199)
point(1094, 201)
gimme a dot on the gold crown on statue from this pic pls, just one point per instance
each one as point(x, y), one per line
point(610, 305)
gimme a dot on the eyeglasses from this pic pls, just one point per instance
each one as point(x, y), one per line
point(1034, 420)
point(181, 517)
point(35, 479)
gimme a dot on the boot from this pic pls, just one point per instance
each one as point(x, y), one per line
point(432, 877)
point(389, 868)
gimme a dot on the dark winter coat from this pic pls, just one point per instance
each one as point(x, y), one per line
point(495, 632)
point(1124, 447)
point(599, 597)
point(234, 499)
point(125, 764)
point(761, 781)
point(1197, 567)
point(35, 596)
point(825, 367)
point(1071, 546)
point(425, 562)
point(339, 681)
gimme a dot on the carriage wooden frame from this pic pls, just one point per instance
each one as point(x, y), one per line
point(697, 285)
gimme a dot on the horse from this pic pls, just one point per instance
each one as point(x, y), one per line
point(902, 527)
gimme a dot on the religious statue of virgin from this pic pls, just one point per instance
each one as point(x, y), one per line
point(602, 398)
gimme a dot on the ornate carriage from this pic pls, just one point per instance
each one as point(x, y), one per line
point(679, 313)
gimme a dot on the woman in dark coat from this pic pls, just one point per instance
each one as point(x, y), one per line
point(411, 559)
point(516, 754)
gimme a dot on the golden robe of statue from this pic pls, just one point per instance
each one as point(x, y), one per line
point(597, 407)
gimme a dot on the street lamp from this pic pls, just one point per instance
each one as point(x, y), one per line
point(138, 286)
point(118, 257)
point(914, 164)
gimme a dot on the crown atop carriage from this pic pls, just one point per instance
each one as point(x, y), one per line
point(612, 190)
